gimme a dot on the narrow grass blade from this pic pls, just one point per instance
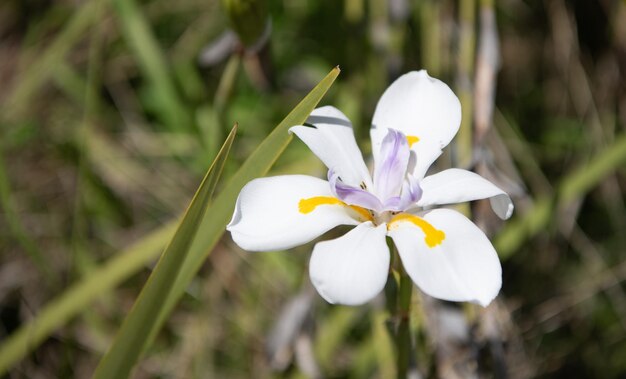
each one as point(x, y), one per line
point(257, 164)
point(129, 342)
point(16, 227)
point(575, 184)
point(152, 62)
point(582, 180)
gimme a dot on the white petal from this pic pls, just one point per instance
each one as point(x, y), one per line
point(422, 107)
point(267, 216)
point(377, 135)
point(463, 267)
point(351, 269)
point(456, 186)
point(332, 140)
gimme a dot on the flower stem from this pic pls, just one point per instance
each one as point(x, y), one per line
point(465, 68)
point(403, 307)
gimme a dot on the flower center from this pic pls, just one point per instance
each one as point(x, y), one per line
point(383, 217)
point(432, 235)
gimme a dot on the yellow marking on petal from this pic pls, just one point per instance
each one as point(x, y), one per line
point(308, 205)
point(433, 236)
point(412, 139)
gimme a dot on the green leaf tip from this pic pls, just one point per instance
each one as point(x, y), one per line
point(144, 320)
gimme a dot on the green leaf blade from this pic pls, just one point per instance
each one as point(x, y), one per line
point(257, 164)
point(142, 319)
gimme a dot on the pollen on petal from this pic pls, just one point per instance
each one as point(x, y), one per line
point(412, 139)
point(432, 235)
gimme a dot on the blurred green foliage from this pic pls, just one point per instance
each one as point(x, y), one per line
point(110, 112)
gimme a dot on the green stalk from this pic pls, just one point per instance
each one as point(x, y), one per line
point(248, 18)
point(83, 264)
point(226, 85)
point(467, 16)
point(80, 258)
point(152, 61)
point(465, 68)
point(430, 21)
point(403, 337)
point(398, 290)
point(211, 120)
point(354, 10)
point(17, 228)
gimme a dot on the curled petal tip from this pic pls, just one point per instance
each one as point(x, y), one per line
point(485, 301)
point(509, 211)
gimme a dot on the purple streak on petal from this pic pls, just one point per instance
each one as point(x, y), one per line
point(411, 192)
point(413, 189)
point(393, 203)
point(352, 195)
point(391, 166)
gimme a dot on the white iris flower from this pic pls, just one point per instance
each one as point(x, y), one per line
point(444, 253)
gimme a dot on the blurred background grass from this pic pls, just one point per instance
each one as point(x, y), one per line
point(111, 111)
